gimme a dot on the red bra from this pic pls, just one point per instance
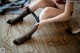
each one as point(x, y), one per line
point(60, 1)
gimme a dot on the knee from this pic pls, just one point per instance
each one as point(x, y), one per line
point(45, 11)
point(47, 8)
point(44, 14)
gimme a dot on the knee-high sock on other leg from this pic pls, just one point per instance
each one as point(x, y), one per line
point(19, 18)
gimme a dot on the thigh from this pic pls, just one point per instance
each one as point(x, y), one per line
point(43, 3)
point(54, 11)
point(49, 12)
point(47, 3)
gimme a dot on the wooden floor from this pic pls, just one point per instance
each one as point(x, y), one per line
point(52, 38)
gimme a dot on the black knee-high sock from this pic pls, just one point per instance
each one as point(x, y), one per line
point(28, 35)
point(24, 13)
point(20, 17)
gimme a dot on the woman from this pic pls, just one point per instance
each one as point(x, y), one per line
point(58, 11)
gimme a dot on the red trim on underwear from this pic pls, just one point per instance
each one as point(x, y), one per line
point(60, 1)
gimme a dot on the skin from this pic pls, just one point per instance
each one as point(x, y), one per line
point(60, 14)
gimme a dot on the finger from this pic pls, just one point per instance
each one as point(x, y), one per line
point(40, 26)
point(36, 23)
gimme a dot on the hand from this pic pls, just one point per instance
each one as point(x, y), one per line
point(41, 24)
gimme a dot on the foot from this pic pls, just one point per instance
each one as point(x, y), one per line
point(21, 39)
point(14, 21)
point(75, 30)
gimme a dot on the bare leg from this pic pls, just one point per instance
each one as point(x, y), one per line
point(33, 7)
point(52, 12)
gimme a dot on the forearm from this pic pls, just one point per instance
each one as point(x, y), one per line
point(60, 18)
